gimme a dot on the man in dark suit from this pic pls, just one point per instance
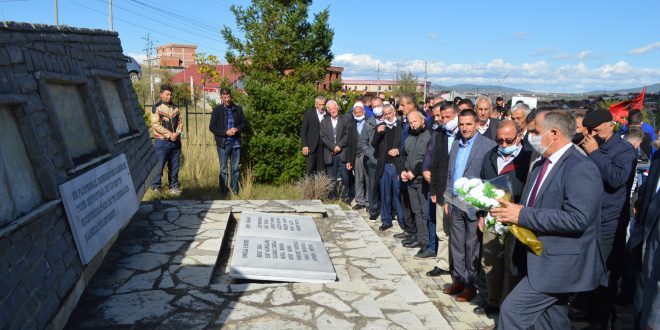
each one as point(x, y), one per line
point(486, 125)
point(445, 115)
point(511, 162)
point(386, 141)
point(310, 136)
point(334, 136)
point(465, 160)
point(645, 240)
point(371, 163)
point(519, 113)
point(227, 123)
point(562, 206)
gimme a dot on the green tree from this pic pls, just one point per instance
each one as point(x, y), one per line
point(282, 55)
point(406, 83)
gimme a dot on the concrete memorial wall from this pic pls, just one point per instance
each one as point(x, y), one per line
point(280, 247)
point(74, 159)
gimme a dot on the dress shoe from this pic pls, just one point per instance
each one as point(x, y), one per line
point(413, 245)
point(486, 309)
point(455, 288)
point(402, 234)
point(384, 227)
point(409, 239)
point(467, 294)
point(373, 217)
point(436, 271)
point(358, 207)
point(425, 254)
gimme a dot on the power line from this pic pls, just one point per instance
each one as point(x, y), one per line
point(187, 20)
point(143, 27)
point(194, 32)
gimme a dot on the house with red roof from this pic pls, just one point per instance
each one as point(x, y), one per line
point(225, 70)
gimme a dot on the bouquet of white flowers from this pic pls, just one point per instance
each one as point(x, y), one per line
point(483, 196)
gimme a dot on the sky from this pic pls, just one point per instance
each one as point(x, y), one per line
point(544, 46)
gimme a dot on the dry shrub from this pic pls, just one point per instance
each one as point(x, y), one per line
point(315, 186)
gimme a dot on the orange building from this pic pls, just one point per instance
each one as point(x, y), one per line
point(333, 73)
point(176, 55)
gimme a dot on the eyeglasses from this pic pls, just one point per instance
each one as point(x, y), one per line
point(508, 141)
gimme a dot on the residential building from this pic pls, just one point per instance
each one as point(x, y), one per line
point(377, 86)
point(176, 55)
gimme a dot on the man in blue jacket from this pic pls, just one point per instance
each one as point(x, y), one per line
point(616, 160)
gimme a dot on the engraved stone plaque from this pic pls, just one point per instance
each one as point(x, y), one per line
point(279, 247)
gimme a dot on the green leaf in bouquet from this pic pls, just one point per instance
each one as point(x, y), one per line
point(475, 202)
point(489, 190)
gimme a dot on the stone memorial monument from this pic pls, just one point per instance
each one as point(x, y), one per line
point(75, 157)
point(279, 247)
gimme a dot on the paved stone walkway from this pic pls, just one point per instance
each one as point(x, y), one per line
point(168, 270)
point(162, 273)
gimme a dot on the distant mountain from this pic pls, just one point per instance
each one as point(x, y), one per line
point(486, 89)
point(655, 88)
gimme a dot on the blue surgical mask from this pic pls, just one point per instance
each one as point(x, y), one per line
point(508, 151)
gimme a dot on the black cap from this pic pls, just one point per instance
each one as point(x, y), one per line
point(596, 117)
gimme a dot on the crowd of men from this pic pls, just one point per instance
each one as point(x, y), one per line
point(575, 181)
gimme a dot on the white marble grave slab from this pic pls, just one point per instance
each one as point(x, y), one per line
point(277, 225)
point(98, 203)
point(279, 247)
point(281, 259)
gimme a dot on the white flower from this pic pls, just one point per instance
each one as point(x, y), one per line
point(472, 183)
point(458, 184)
point(500, 193)
point(501, 229)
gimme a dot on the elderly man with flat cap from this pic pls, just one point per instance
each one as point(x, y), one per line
point(616, 160)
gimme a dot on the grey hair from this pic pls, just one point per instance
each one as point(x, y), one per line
point(419, 114)
point(320, 98)
point(560, 120)
point(521, 106)
point(483, 98)
point(327, 104)
point(388, 106)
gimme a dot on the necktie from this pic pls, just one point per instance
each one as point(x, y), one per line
point(537, 183)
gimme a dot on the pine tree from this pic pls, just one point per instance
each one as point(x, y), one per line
point(282, 55)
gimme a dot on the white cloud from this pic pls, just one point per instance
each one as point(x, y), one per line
point(585, 54)
point(432, 36)
point(519, 36)
point(645, 49)
point(536, 76)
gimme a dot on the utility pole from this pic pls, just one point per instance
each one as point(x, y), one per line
point(57, 20)
point(378, 75)
point(110, 11)
point(426, 76)
point(149, 48)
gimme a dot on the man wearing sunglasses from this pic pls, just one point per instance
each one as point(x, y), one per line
point(503, 266)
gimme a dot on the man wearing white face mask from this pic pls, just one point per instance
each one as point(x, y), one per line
point(357, 162)
point(503, 266)
point(371, 161)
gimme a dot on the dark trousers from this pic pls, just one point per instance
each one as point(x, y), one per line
point(433, 237)
point(232, 155)
point(525, 307)
point(337, 169)
point(389, 196)
point(314, 162)
point(169, 153)
point(373, 187)
point(418, 192)
point(408, 215)
point(465, 248)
